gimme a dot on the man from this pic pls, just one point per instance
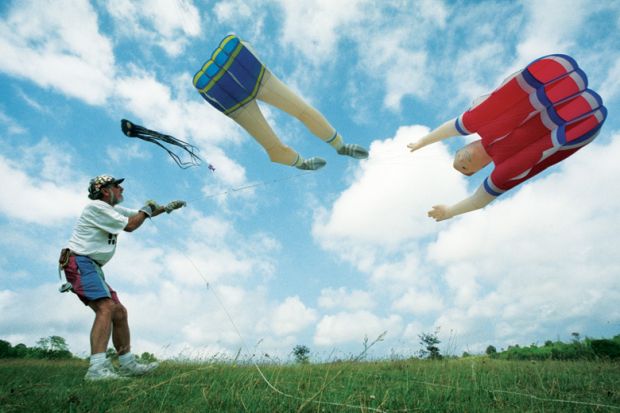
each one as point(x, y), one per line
point(91, 246)
point(535, 119)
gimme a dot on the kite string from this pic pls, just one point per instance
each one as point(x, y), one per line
point(312, 399)
point(250, 186)
point(256, 366)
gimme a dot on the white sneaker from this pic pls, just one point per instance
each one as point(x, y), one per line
point(103, 371)
point(134, 368)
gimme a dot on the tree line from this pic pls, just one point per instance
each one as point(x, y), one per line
point(53, 348)
point(576, 349)
point(56, 348)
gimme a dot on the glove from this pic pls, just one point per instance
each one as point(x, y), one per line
point(153, 204)
point(150, 207)
point(148, 210)
point(174, 205)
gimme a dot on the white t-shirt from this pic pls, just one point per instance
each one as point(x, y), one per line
point(96, 230)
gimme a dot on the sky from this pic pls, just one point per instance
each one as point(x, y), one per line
point(266, 257)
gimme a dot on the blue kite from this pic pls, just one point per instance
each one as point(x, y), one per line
point(233, 79)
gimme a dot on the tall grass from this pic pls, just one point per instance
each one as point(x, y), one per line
point(473, 384)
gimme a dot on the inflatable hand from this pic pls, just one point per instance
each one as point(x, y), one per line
point(439, 213)
point(414, 146)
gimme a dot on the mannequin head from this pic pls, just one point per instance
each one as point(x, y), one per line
point(471, 158)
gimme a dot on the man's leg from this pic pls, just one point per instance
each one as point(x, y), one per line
point(122, 343)
point(102, 326)
point(120, 330)
point(100, 367)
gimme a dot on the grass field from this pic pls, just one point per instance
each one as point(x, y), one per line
point(473, 384)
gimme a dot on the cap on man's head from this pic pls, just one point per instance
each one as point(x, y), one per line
point(100, 182)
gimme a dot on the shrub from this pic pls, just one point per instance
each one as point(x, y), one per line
point(302, 354)
point(491, 351)
point(606, 348)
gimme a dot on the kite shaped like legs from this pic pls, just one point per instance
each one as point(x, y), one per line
point(252, 120)
point(276, 93)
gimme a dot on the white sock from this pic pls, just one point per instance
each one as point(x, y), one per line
point(126, 358)
point(298, 161)
point(336, 141)
point(97, 359)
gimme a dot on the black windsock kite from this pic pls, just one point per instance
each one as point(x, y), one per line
point(133, 130)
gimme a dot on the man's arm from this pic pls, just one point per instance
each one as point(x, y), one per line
point(149, 210)
point(447, 130)
point(135, 221)
point(478, 200)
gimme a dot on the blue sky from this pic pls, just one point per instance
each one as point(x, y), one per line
point(324, 259)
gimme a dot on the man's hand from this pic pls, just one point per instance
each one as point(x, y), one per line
point(152, 208)
point(440, 212)
point(153, 204)
point(148, 210)
point(174, 205)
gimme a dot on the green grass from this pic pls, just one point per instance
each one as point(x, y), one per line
point(474, 384)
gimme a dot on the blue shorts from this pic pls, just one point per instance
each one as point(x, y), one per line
point(87, 280)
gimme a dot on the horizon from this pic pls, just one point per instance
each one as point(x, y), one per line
point(328, 258)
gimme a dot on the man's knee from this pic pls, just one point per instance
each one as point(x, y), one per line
point(120, 312)
point(103, 306)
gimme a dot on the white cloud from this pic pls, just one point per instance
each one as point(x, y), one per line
point(42, 200)
point(12, 126)
point(127, 152)
point(433, 11)
point(393, 60)
point(419, 302)
point(552, 27)
point(292, 316)
point(313, 27)
point(331, 298)
point(610, 88)
point(167, 24)
point(70, 318)
point(351, 327)
point(396, 189)
point(479, 71)
point(213, 251)
point(232, 10)
point(391, 54)
point(42, 43)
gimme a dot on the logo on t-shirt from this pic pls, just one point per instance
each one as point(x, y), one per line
point(111, 239)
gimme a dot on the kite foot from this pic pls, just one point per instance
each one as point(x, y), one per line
point(353, 150)
point(312, 164)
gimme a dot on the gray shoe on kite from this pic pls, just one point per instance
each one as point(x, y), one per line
point(354, 151)
point(312, 164)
